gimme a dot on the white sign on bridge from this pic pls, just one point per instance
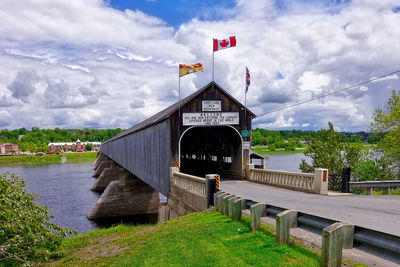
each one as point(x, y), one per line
point(211, 105)
point(210, 118)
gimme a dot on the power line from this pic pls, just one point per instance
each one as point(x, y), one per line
point(331, 93)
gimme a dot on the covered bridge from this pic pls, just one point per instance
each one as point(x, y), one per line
point(206, 132)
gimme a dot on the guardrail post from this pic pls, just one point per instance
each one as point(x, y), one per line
point(216, 194)
point(220, 202)
point(386, 190)
point(321, 181)
point(284, 221)
point(226, 203)
point(334, 238)
point(230, 206)
point(237, 209)
point(256, 212)
point(369, 190)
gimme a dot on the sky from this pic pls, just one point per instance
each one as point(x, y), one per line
point(113, 63)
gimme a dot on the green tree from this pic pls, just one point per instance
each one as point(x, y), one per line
point(388, 121)
point(89, 147)
point(328, 151)
point(26, 233)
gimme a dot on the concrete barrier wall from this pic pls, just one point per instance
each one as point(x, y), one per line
point(187, 194)
point(307, 182)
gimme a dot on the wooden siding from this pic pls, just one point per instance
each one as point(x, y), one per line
point(145, 153)
point(195, 105)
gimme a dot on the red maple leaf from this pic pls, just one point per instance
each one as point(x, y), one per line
point(224, 43)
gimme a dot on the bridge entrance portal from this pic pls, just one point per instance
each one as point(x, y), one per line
point(214, 149)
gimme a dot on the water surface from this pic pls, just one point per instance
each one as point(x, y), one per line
point(64, 189)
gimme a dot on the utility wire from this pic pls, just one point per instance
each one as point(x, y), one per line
point(331, 93)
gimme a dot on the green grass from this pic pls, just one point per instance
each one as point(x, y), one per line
point(197, 239)
point(24, 160)
point(265, 151)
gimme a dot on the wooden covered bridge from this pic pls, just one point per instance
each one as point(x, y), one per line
point(207, 132)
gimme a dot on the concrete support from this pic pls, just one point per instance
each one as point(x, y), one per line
point(230, 206)
point(98, 160)
point(226, 204)
point(284, 221)
point(321, 181)
point(220, 202)
point(386, 191)
point(237, 209)
point(126, 197)
point(248, 173)
point(256, 212)
point(107, 176)
point(163, 213)
point(334, 238)
point(216, 194)
point(369, 191)
point(103, 164)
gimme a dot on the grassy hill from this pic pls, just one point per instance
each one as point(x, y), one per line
point(197, 239)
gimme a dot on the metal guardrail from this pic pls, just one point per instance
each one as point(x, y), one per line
point(375, 184)
point(375, 240)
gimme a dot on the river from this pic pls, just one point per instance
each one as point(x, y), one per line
point(64, 188)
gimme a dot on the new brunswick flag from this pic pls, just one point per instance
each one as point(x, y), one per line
point(187, 69)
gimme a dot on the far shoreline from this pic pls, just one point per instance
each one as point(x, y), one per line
point(47, 159)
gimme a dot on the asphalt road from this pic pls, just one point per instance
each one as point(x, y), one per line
point(381, 213)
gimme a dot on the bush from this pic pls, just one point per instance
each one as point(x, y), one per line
point(26, 233)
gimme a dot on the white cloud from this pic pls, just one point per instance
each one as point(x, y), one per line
point(85, 64)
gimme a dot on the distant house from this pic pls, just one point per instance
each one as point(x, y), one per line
point(9, 149)
point(77, 146)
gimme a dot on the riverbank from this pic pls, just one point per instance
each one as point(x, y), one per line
point(265, 151)
point(29, 160)
point(197, 239)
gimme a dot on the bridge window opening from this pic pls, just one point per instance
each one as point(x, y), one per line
point(228, 159)
point(216, 149)
point(256, 161)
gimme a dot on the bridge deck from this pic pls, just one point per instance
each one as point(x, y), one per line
point(381, 213)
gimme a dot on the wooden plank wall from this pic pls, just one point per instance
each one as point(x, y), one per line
point(145, 153)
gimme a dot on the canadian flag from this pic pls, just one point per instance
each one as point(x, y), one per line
point(224, 43)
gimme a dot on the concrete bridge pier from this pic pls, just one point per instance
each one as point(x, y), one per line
point(106, 163)
point(108, 175)
point(98, 159)
point(127, 196)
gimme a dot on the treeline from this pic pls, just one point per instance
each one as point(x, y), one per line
point(295, 138)
point(36, 140)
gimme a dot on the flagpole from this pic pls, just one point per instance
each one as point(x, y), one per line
point(245, 96)
point(213, 66)
point(179, 94)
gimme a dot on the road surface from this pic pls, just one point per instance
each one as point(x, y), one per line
point(381, 213)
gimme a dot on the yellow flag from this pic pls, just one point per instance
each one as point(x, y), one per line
point(187, 69)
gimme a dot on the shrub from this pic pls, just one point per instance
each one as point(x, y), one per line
point(26, 233)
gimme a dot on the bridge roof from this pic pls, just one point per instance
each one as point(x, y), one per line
point(166, 113)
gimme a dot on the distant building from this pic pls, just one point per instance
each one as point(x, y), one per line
point(9, 149)
point(77, 146)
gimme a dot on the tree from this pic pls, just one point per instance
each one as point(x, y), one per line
point(89, 147)
point(26, 233)
point(328, 151)
point(388, 121)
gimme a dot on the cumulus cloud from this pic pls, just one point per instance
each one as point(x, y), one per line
point(23, 84)
point(5, 102)
point(5, 118)
point(85, 63)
